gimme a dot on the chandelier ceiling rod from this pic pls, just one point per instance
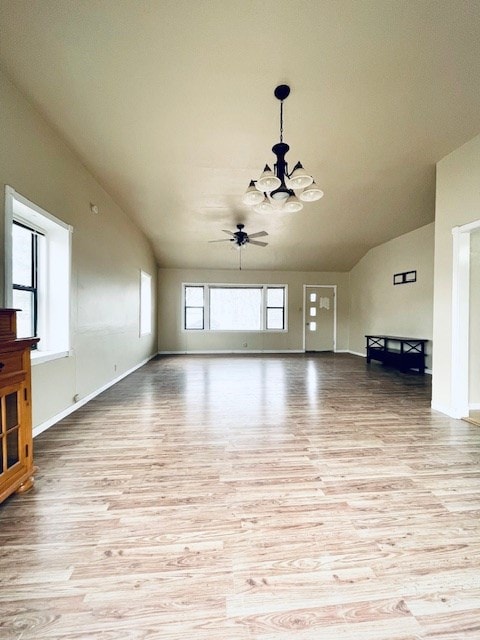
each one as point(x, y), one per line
point(278, 189)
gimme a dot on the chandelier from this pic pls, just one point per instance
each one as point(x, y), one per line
point(279, 189)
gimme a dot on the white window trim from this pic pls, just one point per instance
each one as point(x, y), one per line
point(234, 285)
point(11, 195)
point(460, 353)
point(145, 277)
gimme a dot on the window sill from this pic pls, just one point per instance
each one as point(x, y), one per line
point(39, 357)
point(235, 330)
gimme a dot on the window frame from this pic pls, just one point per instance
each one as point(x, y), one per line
point(283, 307)
point(54, 274)
point(207, 286)
point(34, 269)
point(145, 304)
point(193, 306)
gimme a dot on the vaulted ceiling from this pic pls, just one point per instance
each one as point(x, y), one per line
point(170, 104)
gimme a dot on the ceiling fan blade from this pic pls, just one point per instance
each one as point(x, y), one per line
point(223, 240)
point(260, 244)
point(258, 234)
point(230, 233)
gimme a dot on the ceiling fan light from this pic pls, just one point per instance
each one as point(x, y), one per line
point(263, 207)
point(292, 205)
point(299, 178)
point(252, 195)
point(311, 193)
point(268, 181)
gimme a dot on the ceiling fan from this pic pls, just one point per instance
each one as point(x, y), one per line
point(240, 238)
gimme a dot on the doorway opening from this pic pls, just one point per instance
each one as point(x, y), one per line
point(465, 328)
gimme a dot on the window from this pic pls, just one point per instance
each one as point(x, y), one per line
point(275, 308)
point(37, 274)
point(25, 249)
point(145, 303)
point(234, 308)
point(194, 308)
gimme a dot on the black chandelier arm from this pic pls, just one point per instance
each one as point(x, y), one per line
point(280, 150)
point(281, 121)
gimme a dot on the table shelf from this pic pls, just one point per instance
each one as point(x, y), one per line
point(402, 353)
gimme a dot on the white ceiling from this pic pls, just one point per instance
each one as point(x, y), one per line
point(170, 105)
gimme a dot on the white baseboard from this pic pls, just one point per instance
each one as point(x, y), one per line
point(474, 406)
point(246, 352)
point(43, 426)
point(227, 351)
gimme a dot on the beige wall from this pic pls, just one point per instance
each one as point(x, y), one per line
point(108, 251)
point(457, 203)
point(474, 345)
point(172, 338)
point(377, 306)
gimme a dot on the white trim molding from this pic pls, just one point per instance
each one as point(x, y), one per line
point(325, 286)
point(212, 352)
point(356, 353)
point(461, 320)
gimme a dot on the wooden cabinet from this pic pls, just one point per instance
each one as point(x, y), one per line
point(16, 450)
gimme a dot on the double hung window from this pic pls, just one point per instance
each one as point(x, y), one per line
point(25, 255)
point(37, 274)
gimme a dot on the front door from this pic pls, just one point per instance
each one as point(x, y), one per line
point(319, 318)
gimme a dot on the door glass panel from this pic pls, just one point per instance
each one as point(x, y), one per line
point(12, 448)
point(313, 311)
point(313, 297)
point(11, 411)
point(312, 326)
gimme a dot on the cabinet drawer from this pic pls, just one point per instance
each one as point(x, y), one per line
point(10, 363)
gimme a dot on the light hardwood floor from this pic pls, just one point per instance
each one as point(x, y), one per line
point(249, 498)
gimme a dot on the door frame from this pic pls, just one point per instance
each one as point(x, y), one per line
point(318, 286)
point(461, 319)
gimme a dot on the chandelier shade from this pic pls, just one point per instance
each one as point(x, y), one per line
point(277, 189)
point(265, 206)
point(252, 195)
point(268, 181)
point(311, 193)
point(299, 178)
point(293, 204)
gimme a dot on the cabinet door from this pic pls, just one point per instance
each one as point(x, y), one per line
point(10, 432)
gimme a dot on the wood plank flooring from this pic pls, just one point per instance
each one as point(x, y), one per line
point(249, 498)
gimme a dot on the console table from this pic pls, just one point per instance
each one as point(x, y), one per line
point(394, 351)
